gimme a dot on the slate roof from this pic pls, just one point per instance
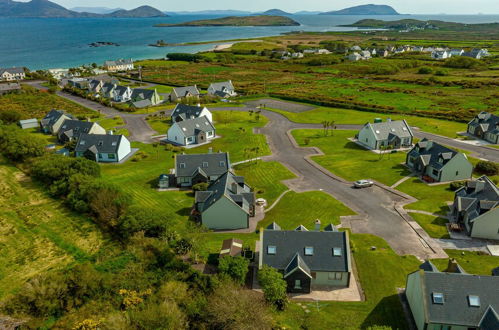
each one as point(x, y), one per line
point(99, 143)
point(295, 264)
point(142, 104)
point(290, 242)
point(330, 227)
point(186, 111)
point(9, 87)
point(477, 197)
point(15, 70)
point(430, 152)
point(428, 266)
point(221, 86)
point(487, 121)
point(121, 90)
point(53, 116)
point(184, 91)
point(273, 226)
point(142, 94)
point(194, 161)
point(73, 128)
point(107, 88)
point(384, 130)
point(118, 62)
point(192, 127)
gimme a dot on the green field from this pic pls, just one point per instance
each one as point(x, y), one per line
point(434, 226)
point(471, 261)
point(430, 198)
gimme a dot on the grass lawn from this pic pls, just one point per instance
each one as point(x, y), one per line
point(265, 178)
point(296, 209)
point(37, 233)
point(351, 161)
point(159, 124)
point(115, 124)
point(434, 226)
point(473, 262)
point(430, 198)
point(162, 89)
point(211, 243)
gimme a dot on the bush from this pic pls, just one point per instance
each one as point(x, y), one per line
point(442, 73)
point(235, 267)
point(425, 70)
point(456, 185)
point(184, 57)
point(17, 145)
point(273, 286)
point(202, 186)
point(9, 116)
point(139, 219)
point(462, 62)
point(487, 168)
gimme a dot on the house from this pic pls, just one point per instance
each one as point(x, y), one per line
point(103, 148)
point(354, 57)
point(297, 55)
point(142, 98)
point(11, 74)
point(192, 131)
point(80, 83)
point(60, 74)
point(94, 86)
point(323, 51)
point(308, 260)
point(191, 169)
point(476, 206)
point(179, 93)
point(417, 49)
point(227, 204)
point(107, 90)
point(476, 53)
point(185, 112)
point(7, 88)
point(437, 163)
point(395, 134)
point(382, 53)
point(440, 54)
point(232, 247)
point(356, 48)
point(29, 123)
point(456, 52)
point(452, 299)
point(72, 129)
point(119, 65)
point(365, 54)
point(485, 126)
point(222, 89)
point(122, 94)
point(53, 121)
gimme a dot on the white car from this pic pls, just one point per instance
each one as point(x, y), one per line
point(363, 183)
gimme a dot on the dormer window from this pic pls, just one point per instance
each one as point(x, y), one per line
point(271, 249)
point(474, 301)
point(82, 143)
point(438, 298)
point(114, 143)
point(182, 165)
point(309, 250)
point(205, 164)
point(222, 164)
point(336, 252)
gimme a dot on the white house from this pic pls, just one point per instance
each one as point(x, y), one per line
point(222, 89)
point(105, 148)
point(396, 134)
point(186, 112)
point(456, 52)
point(365, 54)
point(440, 54)
point(191, 131)
point(122, 94)
point(354, 56)
point(119, 65)
point(11, 74)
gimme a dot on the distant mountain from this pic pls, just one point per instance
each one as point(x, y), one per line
point(260, 20)
point(364, 10)
point(95, 10)
point(275, 12)
point(142, 11)
point(228, 12)
point(306, 12)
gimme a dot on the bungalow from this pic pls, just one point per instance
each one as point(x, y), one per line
point(436, 163)
point(122, 94)
point(196, 168)
point(184, 92)
point(11, 74)
point(356, 48)
point(105, 148)
point(9, 88)
point(452, 299)
point(485, 126)
point(365, 54)
point(94, 86)
point(71, 129)
point(192, 131)
point(379, 135)
point(440, 54)
point(227, 204)
point(119, 65)
point(53, 121)
point(142, 98)
point(308, 260)
point(29, 123)
point(185, 112)
point(80, 83)
point(222, 89)
point(476, 206)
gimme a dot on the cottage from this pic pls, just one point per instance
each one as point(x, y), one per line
point(53, 121)
point(222, 89)
point(80, 83)
point(119, 65)
point(394, 134)
point(29, 123)
point(232, 247)
point(191, 169)
point(452, 299)
point(308, 260)
point(476, 53)
point(72, 129)
point(485, 126)
point(142, 98)
point(7, 88)
point(354, 57)
point(365, 54)
point(107, 90)
point(476, 207)
point(227, 204)
point(94, 86)
point(297, 55)
point(185, 112)
point(382, 53)
point(103, 148)
point(356, 48)
point(11, 74)
point(440, 54)
point(437, 163)
point(192, 131)
point(456, 52)
point(122, 94)
point(179, 93)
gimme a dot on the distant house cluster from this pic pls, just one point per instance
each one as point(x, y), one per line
point(12, 74)
point(444, 53)
point(485, 126)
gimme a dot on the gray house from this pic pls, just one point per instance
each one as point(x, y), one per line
point(476, 206)
point(308, 260)
point(191, 169)
point(184, 112)
point(222, 89)
point(142, 98)
point(94, 86)
point(9, 88)
point(394, 134)
point(179, 93)
point(437, 163)
point(103, 148)
point(227, 204)
point(191, 131)
point(452, 299)
point(71, 129)
point(53, 121)
point(485, 126)
point(80, 83)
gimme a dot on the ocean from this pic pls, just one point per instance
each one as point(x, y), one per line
point(42, 43)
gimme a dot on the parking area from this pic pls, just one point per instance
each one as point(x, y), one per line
point(281, 105)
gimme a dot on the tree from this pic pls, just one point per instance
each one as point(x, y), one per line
point(108, 203)
point(273, 286)
point(138, 219)
point(18, 145)
point(487, 168)
point(10, 116)
point(235, 267)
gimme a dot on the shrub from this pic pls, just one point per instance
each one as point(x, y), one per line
point(441, 73)
point(425, 70)
point(17, 145)
point(487, 168)
point(235, 267)
point(202, 186)
point(9, 116)
point(456, 185)
point(273, 286)
point(184, 57)
point(462, 62)
point(140, 219)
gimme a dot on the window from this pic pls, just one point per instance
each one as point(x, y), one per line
point(435, 172)
point(297, 284)
point(114, 143)
point(309, 250)
point(100, 156)
point(474, 301)
point(222, 164)
point(336, 252)
point(457, 172)
point(338, 276)
point(82, 143)
point(438, 298)
point(334, 276)
point(205, 164)
point(182, 165)
point(271, 249)
point(111, 156)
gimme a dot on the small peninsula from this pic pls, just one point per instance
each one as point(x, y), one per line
point(260, 20)
point(364, 10)
point(413, 24)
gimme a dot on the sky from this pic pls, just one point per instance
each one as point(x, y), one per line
point(402, 6)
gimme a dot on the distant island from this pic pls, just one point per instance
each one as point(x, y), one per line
point(364, 10)
point(48, 9)
point(275, 12)
point(413, 24)
point(260, 20)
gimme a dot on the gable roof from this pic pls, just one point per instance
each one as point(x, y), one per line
point(429, 152)
point(428, 266)
point(296, 264)
point(288, 243)
point(186, 111)
point(142, 104)
point(100, 143)
point(75, 127)
point(218, 164)
point(184, 91)
point(53, 116)
point(122, 90)
point(384, 130)
point(14, 70)
point(477, 197)
point(487, 121)
point(191, 127)
point(143, 94)
point(221, 86)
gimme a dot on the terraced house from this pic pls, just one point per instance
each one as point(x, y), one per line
point(452, 299)
point(308, 260)
point(383, 135)
point(485, 126)
point(437, 163)
point(192, 131)
point(191, 169)
point(103, 148)
point(119, 65)
point(476, 207)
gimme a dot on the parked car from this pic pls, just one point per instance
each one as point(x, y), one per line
point(363, 183)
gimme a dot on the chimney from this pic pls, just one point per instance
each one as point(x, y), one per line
point(210, 150)
point(317, 225)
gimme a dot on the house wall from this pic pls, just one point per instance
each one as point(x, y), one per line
point(176, 135)
point(367, 137)
point(206, 113)
point(487, 225)
point(97, 129)
point(124, 148)
point(439, 326)
point(107, 158)
point(492, 138)
point(225, 214)
point(414, 294)
point(184, 181)
point(458, 164)
point(303, 278)
point(57, 125)
point(322, 278)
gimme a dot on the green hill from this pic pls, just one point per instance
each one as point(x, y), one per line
point(260, 20)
